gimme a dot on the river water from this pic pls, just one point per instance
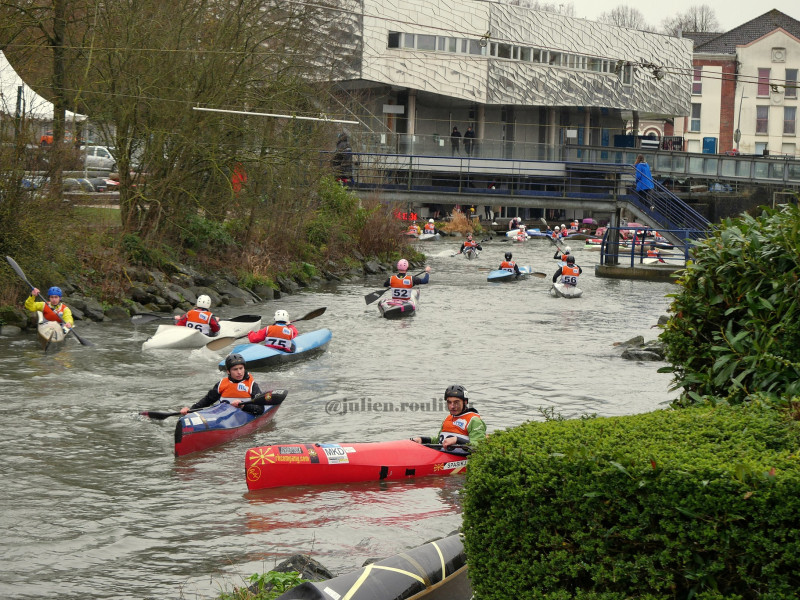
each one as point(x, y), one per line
point(94, 505)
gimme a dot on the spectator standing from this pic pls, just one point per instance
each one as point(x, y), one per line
point(469, 140)
point(455, 141)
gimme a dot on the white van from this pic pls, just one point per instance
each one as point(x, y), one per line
point(99, 157)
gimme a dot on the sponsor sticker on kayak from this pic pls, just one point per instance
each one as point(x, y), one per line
point(290, 450)
point(456, 464)
point(335, 454)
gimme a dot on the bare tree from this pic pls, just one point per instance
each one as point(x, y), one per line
point(697, 19)
point(625, 16)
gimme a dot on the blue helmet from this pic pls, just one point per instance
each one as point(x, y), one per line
point(55, 291)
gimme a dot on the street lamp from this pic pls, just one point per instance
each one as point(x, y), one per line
point(737, 135)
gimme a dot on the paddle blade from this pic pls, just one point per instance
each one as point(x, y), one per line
point(312, 315)
point(142, 319)
point(271, 398)
point(370, 298)
point(245, 319)
point(18, 270)
point(158, 416)
point(220, 343)
point(83, 341)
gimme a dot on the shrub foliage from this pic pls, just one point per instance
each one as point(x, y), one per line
point(735, 323)
point(695, 503)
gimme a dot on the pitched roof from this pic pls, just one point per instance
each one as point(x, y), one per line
point(726, 43)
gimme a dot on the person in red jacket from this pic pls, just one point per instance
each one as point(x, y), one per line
point(237, 387)
point(200, 318)
point(279, 335)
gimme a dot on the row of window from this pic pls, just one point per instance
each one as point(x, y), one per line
point(764, 85)
point(762, 119)
point(452, 45)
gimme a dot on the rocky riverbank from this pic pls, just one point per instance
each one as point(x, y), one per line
point(176, 292)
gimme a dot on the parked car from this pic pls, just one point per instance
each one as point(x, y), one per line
point(99, 157)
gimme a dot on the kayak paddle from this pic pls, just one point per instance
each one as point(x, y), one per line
point(271, 398)
point(143, 318)
point(21, 274)
point(220, 343)
point(372, 296)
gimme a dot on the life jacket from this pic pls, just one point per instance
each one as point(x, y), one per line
point(53, 313)
point(401, 286)
point(279, 337)
point(199, 319)
point(507, 265)
point(652, 253)
point(457, 426)
point(470, 244)
point(230, 390)
point(554, 235)
point(412, 229)
point(573, 226)
point(430, 228)
point(569, 275)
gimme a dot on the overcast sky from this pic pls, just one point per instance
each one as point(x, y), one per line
point(730, 13)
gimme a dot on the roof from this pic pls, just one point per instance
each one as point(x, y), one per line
point(726, 43)
point(34, 106)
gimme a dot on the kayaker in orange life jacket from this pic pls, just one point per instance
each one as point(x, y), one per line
point(200, 317)
point(509, 265)
point(568, 273)
point(402, 283)
point(469, 243)
point(463, 426)
point(654, 252)
point(238, 386)
point(53, 308)
point(279, 335)
point(562, 256)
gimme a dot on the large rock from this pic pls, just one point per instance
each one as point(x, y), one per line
point(640, 354)
point(186, 294)
point(85, 308)
point(117, 313)
point(231, 291)
point(11, 315)
point(264, 292)
point(9, 330)
point(373, 267)
point(288, 286)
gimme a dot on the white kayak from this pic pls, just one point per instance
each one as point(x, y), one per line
point(429, 237)
point(50, 332)
point(562, 290)
point(471, 253)
point(175, 337)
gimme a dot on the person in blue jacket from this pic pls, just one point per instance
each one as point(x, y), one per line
point(644, 178)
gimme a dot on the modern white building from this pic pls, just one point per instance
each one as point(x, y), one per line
point(745, 81)
point(522, 79)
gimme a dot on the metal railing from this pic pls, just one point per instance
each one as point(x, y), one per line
point(629, 244)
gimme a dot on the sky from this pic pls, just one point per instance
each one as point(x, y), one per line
point(730, 13)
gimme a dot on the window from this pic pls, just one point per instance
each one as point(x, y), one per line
point(697, 81)
point(426, 42)
point(694, 124)
point(504, 51)
point(791, 84)
point(394, 40)
point(555, 59)
point(789, 114)
point(627, 75)
point(475, 48)
point(762, 119)
point(408, 40)
point(763, 82)
point(526, 54)
point(788, 149)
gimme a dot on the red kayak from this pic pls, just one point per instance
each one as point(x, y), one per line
point(318, 464)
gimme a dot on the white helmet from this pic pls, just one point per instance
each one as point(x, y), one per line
point(563, 226)
point(556, 227)
point(281, 316)
point(203, 302)
point(430, 220)
point(522, 226)
point(567, 249)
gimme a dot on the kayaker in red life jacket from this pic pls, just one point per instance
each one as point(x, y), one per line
point(463, 426)
point(469, 243)
point(238, 386)
point(509, 265)
point(568, 273)
point(654, 252)
point(562, 256)
point(402, 283)
point(53, 308)
point(200, 317)
point(279, 335)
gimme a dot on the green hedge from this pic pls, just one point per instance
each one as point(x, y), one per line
point(695, 503)
point(735, 322)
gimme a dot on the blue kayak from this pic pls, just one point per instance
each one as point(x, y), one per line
point(501, 275)
point(258, 356)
